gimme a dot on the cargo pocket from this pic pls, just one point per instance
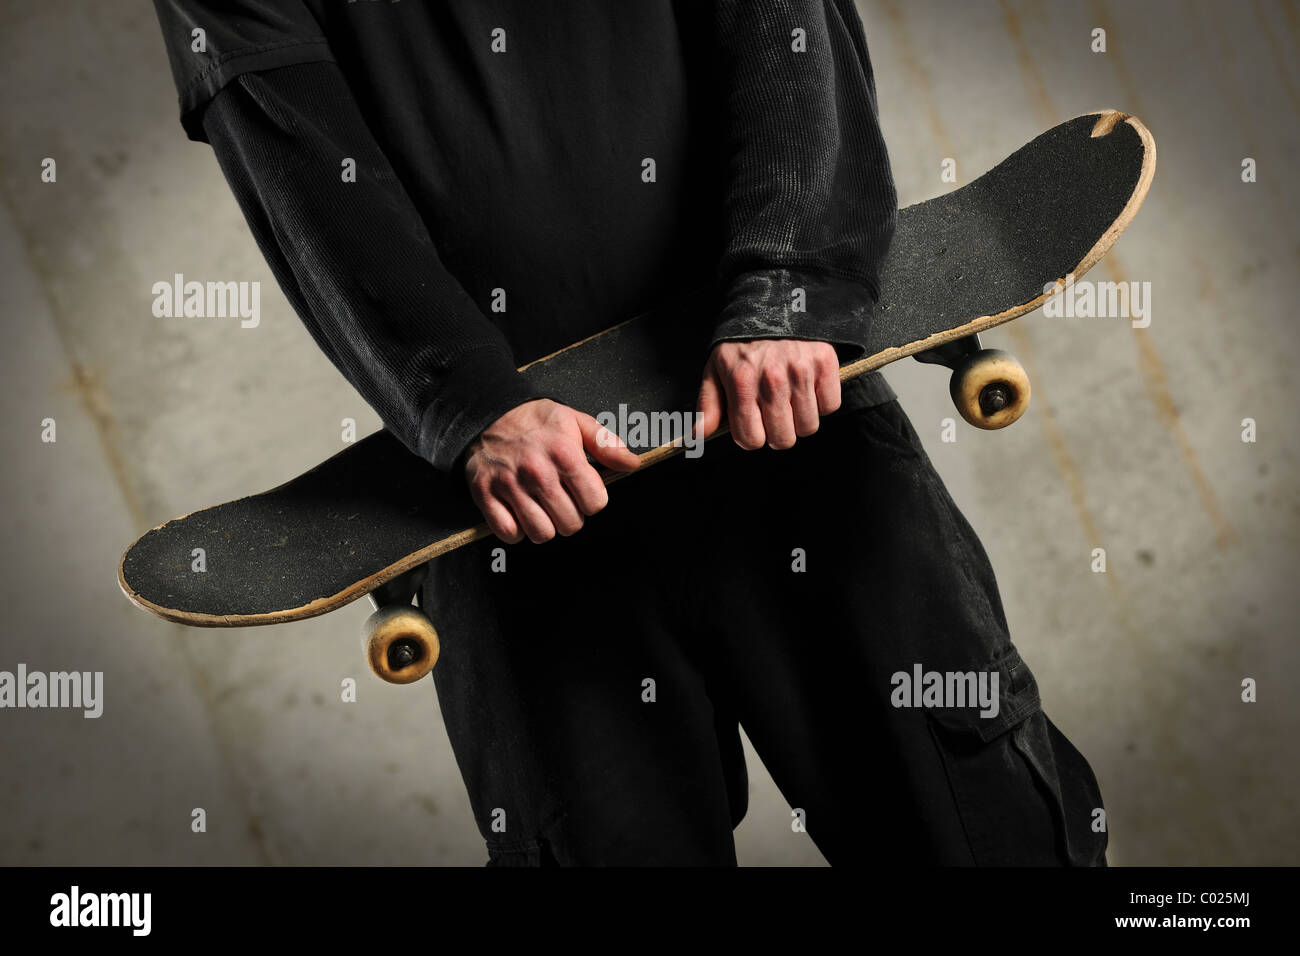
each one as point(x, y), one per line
point(1024, 794)
point(525, 853)
point(1080, 813)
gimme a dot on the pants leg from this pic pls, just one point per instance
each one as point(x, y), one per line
point(584, 729)
point(893, 577)
point(689, 580)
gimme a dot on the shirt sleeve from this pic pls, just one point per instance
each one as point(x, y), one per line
point(356, 261)
point(210, 42)
point(810, 203)
point(259, 83)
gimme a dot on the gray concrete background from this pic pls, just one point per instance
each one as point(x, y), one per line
point(1132, 444)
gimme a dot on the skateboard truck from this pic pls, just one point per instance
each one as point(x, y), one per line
point(989, 387)
point(401, 644)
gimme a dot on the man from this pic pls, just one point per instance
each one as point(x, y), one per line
point(448, 190)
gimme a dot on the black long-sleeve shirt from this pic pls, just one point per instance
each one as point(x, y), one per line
point(447, 190)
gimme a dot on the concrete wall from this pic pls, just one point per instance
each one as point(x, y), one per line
point(1133, 444)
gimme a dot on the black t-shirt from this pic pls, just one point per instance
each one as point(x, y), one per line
point(527, 174)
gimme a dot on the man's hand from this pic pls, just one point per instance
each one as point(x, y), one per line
point(774, 390)
point(529, 475)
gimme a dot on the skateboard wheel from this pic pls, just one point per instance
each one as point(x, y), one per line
point(990, 389)
point(401, 644)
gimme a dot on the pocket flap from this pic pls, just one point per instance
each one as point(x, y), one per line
point(1017, 699)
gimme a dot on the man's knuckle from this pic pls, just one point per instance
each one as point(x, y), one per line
point(741, 375)
point(773, 378)
point(568, 459)
point(502, 485)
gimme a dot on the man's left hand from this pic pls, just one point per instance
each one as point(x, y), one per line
point(773, 390)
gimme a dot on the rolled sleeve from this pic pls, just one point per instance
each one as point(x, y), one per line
point(792, 304)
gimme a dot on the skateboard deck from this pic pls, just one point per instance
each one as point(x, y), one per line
point(373, 515)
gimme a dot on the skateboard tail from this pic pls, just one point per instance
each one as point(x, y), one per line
point(1105, 124)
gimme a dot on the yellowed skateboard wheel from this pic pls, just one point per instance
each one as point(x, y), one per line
point(401, 644)
point(990, 389)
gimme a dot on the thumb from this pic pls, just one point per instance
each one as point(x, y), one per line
point(605, 446)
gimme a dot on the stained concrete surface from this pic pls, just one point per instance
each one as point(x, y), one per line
point(1133, 444)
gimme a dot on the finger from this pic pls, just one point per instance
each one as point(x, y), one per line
point(542, 483)
point(708, 407)
point(828, 387)
point(561, 508)
point(742, 409)
point(501, 521)
point(778, 422)
point(584, 485)
point(532, 517)
point(803, 401)
point(605, 446)
point(497, 515)
point(774, 403)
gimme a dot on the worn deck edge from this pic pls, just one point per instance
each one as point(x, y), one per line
point(1106, 121)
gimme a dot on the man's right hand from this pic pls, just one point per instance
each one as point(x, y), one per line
point(529, 475)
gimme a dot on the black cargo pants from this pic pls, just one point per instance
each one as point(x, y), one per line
point(592, 688)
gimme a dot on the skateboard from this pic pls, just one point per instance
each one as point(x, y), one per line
point(368, 520)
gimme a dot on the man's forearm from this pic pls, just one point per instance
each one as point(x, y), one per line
point(357, 262)
point(810, 202)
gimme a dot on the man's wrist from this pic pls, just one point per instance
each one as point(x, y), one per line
point(484, 386)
